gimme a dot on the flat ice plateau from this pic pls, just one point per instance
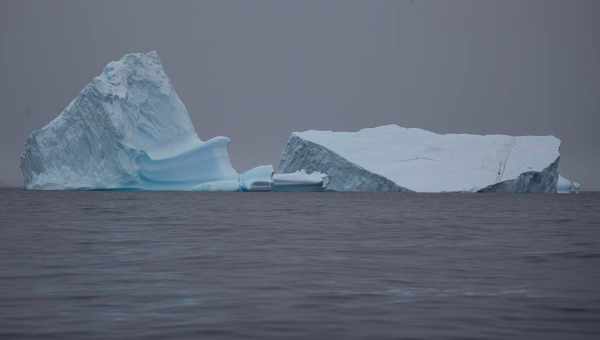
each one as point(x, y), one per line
point(394, 158)
point(127, 129)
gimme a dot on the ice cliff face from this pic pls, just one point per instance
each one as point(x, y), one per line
point(126, 129)
point(393, 158)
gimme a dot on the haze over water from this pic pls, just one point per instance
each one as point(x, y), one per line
point(113, 265)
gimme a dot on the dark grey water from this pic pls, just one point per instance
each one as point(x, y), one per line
point(117, 265)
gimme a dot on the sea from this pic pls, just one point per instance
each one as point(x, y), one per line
point(182, 265)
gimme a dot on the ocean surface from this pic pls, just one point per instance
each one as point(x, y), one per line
point(127, 265)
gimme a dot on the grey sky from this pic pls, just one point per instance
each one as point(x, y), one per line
point(257, 70)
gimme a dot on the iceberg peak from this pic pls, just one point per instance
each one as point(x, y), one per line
point(126, 129)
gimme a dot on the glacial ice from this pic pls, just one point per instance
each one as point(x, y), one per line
point(127, 129)
point(394, 158)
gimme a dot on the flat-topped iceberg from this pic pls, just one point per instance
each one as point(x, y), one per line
point(127, 129)
point(393, 158)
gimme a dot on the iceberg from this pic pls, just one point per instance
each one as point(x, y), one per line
point(299, 180)
point(257, 179)
point(394, 158)
point(127, 129)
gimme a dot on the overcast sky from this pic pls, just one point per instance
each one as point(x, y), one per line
point(257, 70)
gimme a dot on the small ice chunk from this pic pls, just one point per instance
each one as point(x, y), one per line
point(300, 181)
point(257, 179)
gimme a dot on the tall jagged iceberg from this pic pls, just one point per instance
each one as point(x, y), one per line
point(394, 158)
point(127, 129)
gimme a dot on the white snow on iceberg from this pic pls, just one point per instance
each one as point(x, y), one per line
point(393, 158)
point(127, 129)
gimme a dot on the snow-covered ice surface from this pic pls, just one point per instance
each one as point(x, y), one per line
point(393, 158)
point(127, 129)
